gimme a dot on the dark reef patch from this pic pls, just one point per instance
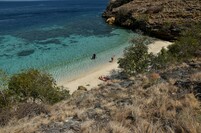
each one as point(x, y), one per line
point(25, 52)
point(108, 35)
point(40, 35)
point(64, 45)
point(54, 41)
point(73, 41)
point(9, 49)
point(6, 55)
point(44, 49)
point(82, 28)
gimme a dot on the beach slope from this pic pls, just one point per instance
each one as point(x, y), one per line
point(91, 79)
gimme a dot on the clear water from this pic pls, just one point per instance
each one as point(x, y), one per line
point(58, 37)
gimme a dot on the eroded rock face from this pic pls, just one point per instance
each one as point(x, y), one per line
point(111, 20)
point(164, 19)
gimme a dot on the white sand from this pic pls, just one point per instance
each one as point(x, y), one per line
point(90, 80)
point(156, 46)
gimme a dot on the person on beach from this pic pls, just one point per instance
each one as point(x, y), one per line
point(112, 58)
point(93, 57)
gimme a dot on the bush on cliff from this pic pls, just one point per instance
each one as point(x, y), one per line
point(3, 80)
point(20, 95)
point(136, 58)
point(162, 60)
point(35, 85)
point(187, 45)
point(5, 98)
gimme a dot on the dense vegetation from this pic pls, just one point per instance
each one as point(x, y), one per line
point(137, 59)
point(28, 89)
point(35, 85)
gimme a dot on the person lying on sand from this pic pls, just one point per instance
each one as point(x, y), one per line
point(104, 78)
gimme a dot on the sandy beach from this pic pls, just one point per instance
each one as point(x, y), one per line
point(91, 79)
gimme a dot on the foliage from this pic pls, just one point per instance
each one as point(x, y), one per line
point(5, 98)
point(136, 59)
point(186, 46)
point(3, 80)
point(162, 60)
point(35, 85)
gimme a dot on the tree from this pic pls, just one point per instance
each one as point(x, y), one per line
point(35, 85)
point(136, 59)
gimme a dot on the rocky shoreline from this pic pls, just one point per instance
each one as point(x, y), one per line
point(162, 19)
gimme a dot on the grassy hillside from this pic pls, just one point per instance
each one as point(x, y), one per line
point(156, 102)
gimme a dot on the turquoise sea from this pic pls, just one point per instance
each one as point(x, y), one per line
point(58, 37)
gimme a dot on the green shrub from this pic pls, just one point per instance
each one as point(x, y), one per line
point(35, 85)
point(3, 80)
point(186, 46)
point(162, 60)
point(183, 49)
point(136, 59)
point(5, 98)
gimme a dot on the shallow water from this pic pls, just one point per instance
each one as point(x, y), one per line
point(57, 37)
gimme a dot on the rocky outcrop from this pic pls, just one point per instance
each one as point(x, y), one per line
point(163, 19)
point(111, 20)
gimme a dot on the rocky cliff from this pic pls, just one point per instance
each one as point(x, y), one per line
point(164, 19)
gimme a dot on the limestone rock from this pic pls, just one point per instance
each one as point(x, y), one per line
point(111, 20)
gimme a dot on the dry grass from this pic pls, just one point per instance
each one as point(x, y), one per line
point(152, 110)
point(24, 125)
point(135, 109)
point(196, 76)
point(117, 127)
point(86, 127)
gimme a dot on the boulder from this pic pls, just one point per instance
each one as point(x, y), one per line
point(111, 20)
point(82, 88)
point(79, 91)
